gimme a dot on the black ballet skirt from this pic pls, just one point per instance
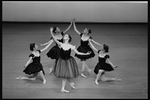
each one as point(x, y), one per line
point(54, 52)
point(35, 66)
point(84, 48)
point(66, 66)
point(103, 65)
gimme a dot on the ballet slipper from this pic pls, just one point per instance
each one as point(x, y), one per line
point(96, 82)
point(72, 85)
point(119, 80)
point(83, 75)
point(44, 82)
point(50, 71)
point(64, 91)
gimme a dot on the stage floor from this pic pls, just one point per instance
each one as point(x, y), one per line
point(128, 49)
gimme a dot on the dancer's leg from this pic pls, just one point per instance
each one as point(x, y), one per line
point(83, 68)
point(43, 77)
point(86, 66)
point(26, 78)
point(63, 85)
point(103, 78)
point(34, 76)
point(29, 78)
point(18, 77)
point(52, 68)
point(98, 76)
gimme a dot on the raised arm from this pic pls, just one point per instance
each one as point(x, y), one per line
point(28, 62)
point(68, 27)
point(47, 46)
point(51, 31)
point(96, 42)
point(75, 27)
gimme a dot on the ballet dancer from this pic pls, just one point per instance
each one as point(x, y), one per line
point(33, 65)
point(104, 65)
point(54, 52)
point(86, 42)
point(66, 66)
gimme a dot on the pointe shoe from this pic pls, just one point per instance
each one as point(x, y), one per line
point(64, 91)
point(72, 85)
point(50, 71)
point(83, 75)
point(44, 82)
point(96, 82)
point(118, 80)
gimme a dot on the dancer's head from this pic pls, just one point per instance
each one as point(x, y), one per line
point(56, 30)
point(87, 31)
point(67, 37)
point(33, 46)
point(106, 48)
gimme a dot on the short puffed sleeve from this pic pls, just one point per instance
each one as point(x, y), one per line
point(51, 38)
point(90, 37)
point(81, 34)
point(62, 33)
point(98, 51)
point(39, 51)
point(107, 56)
point(73, 47)
point(31, 55)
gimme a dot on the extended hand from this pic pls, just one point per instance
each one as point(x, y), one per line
point(73, 20)
point(88, 53)
point(115, 66)
point(51, 28)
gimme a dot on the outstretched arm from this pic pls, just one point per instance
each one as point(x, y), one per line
point(50, 42)
point(75, 27)
point(68, 27)
point(28, 62)
point(51, 31)
point(46, 43)
point(96, 42)
point(80, 53)
point(111, 63)
point(92, 45)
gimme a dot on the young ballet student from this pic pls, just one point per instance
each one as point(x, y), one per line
point(104, 65)
point(33, 65)
point(66, 67)
point(85, 46)
point(54, 52)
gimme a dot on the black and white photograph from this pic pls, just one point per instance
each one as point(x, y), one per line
point(74, 49)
